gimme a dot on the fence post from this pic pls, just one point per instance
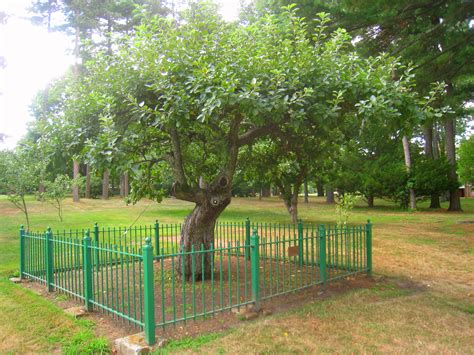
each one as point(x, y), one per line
point(22, 251)
point(157, 237)
point(96, 240)
point(300, 242)
point(255, 263)
point(247, 237)
point(48, 252)
point(87, 265)
point(149, 293)
point(368, 245)
point(322, 253)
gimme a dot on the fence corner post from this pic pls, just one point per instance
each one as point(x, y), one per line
point(247, 237)
point(49, 259)
point(368, 245)
point(255, 263)
point(87, 265)
point(322, 253)
point(300, 242)
point(157, 237)
point(22, 250)
point(149, 293)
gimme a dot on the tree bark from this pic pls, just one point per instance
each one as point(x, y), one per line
point(75, 187)
point(121, 186)
point(198, 232)
point(428, 148)
point(265, 192)
point(291, 205)
point(450, 131)
point(88, 181)
point(436, 148)
point(105, 185)
point(406, 153)
point(329, 194)
point(306, 194)
point(370, 201)
point(126, 188)
point(320, 187)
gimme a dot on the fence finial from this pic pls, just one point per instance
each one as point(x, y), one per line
point(148, 241)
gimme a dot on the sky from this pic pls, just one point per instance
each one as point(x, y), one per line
point(34, 57)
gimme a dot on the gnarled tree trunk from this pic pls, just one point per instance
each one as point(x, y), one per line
point(198, 229)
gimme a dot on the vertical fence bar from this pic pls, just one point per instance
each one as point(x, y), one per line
point(247, 237)
point(254, 244)
point(157, 237)
point(87, 265)
point(49, 260)
point(300, 242)
point(96, 239)
point(368, 245)
point(149, 293)
point(322, 253)
point(22, 251)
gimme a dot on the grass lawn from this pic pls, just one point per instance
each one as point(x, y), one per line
point(422, 298)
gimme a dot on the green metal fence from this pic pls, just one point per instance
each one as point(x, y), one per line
point(116, 271)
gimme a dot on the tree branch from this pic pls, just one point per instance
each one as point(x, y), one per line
point(252, 134)
point(177, 158)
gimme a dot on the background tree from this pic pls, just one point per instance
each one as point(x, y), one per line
point(434, 35)
point(20, 176)
point(466, 161)
point(56, 192)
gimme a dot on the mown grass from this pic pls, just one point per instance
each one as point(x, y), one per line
point(424, 302)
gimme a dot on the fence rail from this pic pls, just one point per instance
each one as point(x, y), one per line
point(118, 271)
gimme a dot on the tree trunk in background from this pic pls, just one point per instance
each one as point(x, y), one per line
point(88, 181)
point(126, 189)
point(450, 132)
point(266, 191)
point(75, 187)
point(406, 153)
point(436, 148)
point(428, 148)
point(291, 205)
point(370, 201)
point(105, 185)
point(320, 187)
point(121, 186)
point(41, 188)
point(329, 194)
point(306, 194)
